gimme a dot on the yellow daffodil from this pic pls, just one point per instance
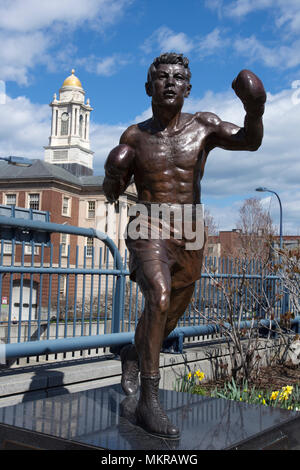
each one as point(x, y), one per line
point(288, 389)
point(274, 395)
point(285, 392)
point(283, 396)
point(189, 376)
point(200, 375)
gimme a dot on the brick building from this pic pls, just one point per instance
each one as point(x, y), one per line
point(226, 243)
point(230, 243)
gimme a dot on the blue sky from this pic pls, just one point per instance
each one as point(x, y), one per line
point(112, 43)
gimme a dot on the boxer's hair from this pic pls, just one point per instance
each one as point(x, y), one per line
point(169, 58)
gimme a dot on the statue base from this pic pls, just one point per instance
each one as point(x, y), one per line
point(104, 419)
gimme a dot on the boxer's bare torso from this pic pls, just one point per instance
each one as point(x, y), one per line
point(168, 165)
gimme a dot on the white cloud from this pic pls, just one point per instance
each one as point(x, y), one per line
point(33, 15)
point(166, 40)
point(29, 30)
point(241, 8)
point(24, 127)
point(215, 5)
point(104, 138)
point(289, 15)
point(213, 41)
point(283, 56)
point(104, 66)
point(286, 13)
point(111, 65)
point(19, 52)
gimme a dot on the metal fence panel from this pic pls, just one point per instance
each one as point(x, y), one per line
point(68, 289)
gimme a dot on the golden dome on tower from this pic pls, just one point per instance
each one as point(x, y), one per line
point(72, 80)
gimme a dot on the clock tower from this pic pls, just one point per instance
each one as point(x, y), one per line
point(69, 142)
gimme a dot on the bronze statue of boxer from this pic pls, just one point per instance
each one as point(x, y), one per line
point(166, 156)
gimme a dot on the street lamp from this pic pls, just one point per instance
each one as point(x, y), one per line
point(18, 161)
point(261, 189)
point(285, 303)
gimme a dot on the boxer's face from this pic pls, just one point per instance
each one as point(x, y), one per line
point(169, 85)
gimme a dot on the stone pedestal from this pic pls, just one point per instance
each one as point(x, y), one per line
point(103, 418)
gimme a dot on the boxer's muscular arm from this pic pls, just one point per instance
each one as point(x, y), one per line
point(118, 171)
point(250, 90)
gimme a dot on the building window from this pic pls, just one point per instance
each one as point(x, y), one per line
point(7, 248)
point(34, 201)
point(91, 209)
point(66, 206)
point(64, 124)
point(56, 121)
point(89, 247)
point(75, 121)
point(80, 125)
point(62, 284)
point(64, 242)
point(85, 127)
point(28, 250)
point(11, 199)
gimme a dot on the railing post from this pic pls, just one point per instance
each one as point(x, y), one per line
point(119, 287)
point(117, 305)
point(286, 302)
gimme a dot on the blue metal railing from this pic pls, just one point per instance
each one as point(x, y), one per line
point(59, 297)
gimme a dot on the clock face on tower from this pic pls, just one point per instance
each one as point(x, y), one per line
point(65, 116)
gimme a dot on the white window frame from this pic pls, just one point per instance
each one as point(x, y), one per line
point(29, 197)
point(89, 254)
point(66, 243)
point(68, 213)
point(11, 194)
point(7, 248)
point(63, 284)
point(28, 250)
point(91, 210)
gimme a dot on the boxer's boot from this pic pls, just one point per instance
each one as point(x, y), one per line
point(130, 369)
point(149, 413)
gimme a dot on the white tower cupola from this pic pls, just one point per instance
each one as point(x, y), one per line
point(69, 142)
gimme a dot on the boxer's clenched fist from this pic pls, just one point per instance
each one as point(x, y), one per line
point(249, 88)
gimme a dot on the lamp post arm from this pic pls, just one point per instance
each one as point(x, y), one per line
point(280, 224)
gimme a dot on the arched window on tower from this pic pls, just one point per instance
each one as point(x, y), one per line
point(85, 126)
point(56, 121)
point(80, 125)
point(64, 123)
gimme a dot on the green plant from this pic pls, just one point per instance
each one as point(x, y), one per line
point(190, 383)
point(288, 397)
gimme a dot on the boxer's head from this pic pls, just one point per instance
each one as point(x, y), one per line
point(169, 66)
